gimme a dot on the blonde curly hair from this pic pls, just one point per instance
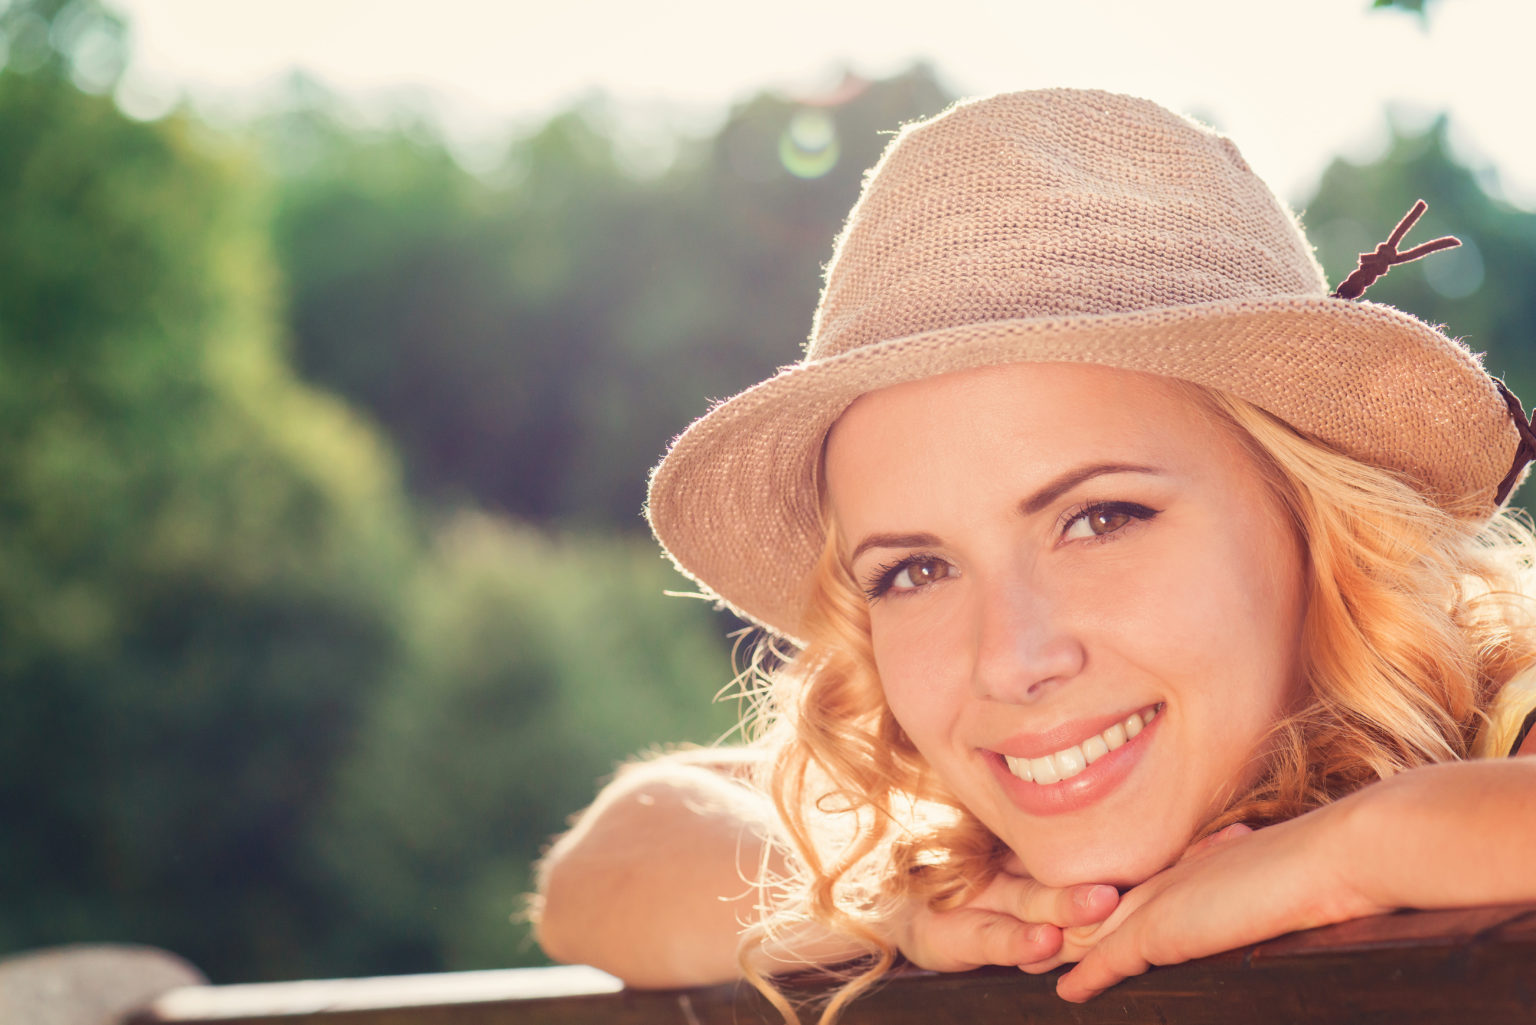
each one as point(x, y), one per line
point(1414, 619)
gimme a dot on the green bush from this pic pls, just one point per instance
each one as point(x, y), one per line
point(533, 666)
point(195, 548)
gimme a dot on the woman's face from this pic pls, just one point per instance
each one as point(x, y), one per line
point(1086, 605)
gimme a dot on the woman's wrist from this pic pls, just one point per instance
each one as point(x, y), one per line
point(1352, 850)
point(1387, 845)
point(1425, 837)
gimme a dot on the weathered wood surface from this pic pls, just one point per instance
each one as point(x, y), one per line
point(1467, 966)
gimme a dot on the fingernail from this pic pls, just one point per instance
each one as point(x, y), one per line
point(1036, 933)
point(1084, 896)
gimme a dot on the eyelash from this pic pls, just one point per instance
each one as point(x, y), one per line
point(881, 581)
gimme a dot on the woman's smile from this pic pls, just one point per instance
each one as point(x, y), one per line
point(1074, 758)
point(1085, 603)
point(1077, 775)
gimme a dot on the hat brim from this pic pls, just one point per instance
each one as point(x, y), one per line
point(735, 501)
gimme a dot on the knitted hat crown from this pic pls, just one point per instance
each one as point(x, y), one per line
point(1054, 204)
point(1067, 226)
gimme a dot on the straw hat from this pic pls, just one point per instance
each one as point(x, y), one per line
point(1068, 226)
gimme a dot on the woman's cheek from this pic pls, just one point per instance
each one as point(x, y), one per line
point(916, 689)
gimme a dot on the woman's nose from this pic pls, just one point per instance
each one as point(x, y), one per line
point(1026, 642)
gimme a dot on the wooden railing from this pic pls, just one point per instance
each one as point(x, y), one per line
point(1475, 966)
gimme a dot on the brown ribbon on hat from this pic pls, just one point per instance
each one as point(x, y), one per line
point(1385, 256)
point(1525, 451)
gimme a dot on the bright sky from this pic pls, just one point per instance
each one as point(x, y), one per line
point(1293, 81)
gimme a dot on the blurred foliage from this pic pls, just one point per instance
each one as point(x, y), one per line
point(78, 40)
point(217, 607)
point(289, 708)
point(548, 660)
point(197, 548)
point(1418, 7)
point(533, 340)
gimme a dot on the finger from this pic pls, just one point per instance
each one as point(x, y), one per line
point(1069, 906)
point(1067, 953)
point(1041, 967)
point(1100, 969)
point(1007, 941)
point(1077, 941)
point(1032, 901)
point(957, 941)
point(968, 938)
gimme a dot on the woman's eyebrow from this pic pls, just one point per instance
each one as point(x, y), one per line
point(1072, 478)
point(894, 541)
point(1033, 504)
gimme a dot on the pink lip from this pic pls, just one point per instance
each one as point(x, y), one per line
point(1087, 787)
point(1044, 742)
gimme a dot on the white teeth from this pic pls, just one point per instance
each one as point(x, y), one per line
point(1070, 762)
point(1065, 764)
point(1044, 770)
point(1019, 767)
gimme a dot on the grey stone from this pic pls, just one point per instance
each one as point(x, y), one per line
point(87, 984)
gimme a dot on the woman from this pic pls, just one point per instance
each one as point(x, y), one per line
point(1142, 599)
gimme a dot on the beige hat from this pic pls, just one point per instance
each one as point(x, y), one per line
point(1068, 226)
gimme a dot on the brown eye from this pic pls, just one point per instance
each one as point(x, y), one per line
point(919, 572)
point(1107, 521)
point(1103, 520)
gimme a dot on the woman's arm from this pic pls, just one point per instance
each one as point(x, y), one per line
point(1452, 835)
point(656, 880)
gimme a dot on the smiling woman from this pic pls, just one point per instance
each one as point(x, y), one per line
point(1134, 585)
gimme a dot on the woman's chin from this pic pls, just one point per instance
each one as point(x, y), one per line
point(1107, 864)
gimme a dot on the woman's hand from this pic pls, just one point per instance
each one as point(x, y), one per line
point(1014, 921)
point(1233, 889)
point(1457, 834)
point(1019, 921)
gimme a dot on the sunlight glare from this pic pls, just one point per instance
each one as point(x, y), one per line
point(808, 145)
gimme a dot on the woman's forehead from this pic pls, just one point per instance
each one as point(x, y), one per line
point(1010, 431)
point(1040, 402)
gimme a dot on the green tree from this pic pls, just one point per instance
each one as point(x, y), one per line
point(1417, 7)
point(248, 716)
point(196, 548)
point(534, 665)
point(533, 339)
point(77, 40)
